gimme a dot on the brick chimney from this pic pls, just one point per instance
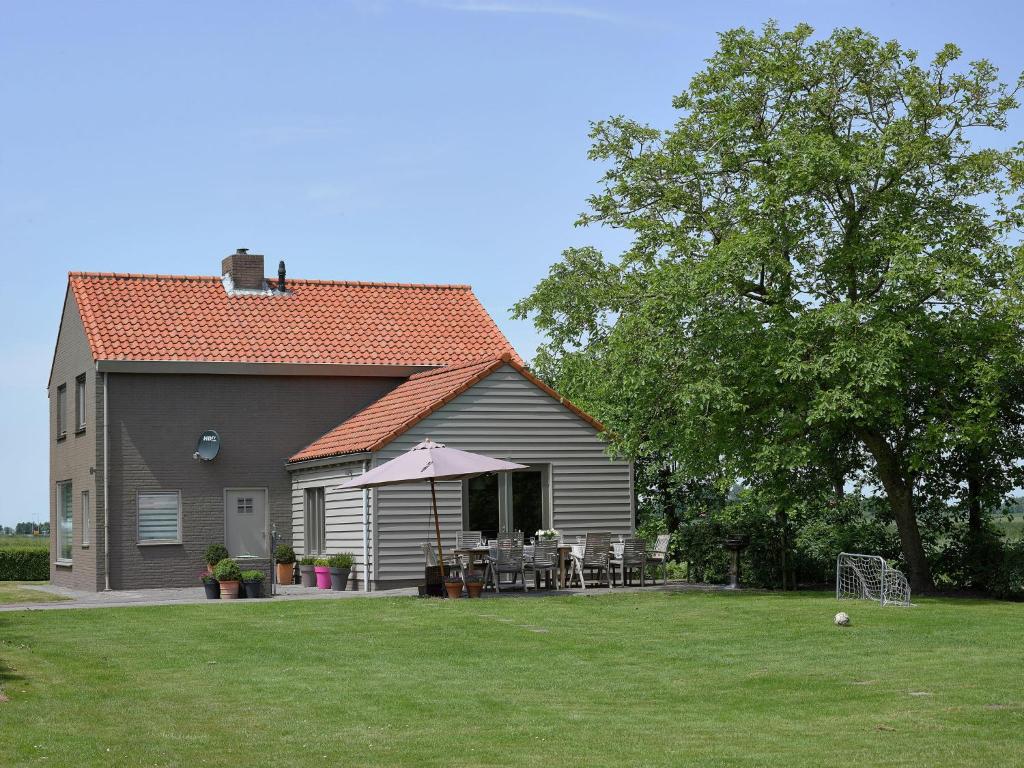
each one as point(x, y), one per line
point(245, 270)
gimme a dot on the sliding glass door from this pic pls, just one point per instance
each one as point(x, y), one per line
point(507, 501)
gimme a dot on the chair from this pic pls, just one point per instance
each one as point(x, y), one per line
point(634, 556)
point(507, 557)
point(466, 540)
point(451, 564)
point(596, 556)
point(545, 560)
point(659, 556)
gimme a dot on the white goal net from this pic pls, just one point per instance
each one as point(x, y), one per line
point(869, 577)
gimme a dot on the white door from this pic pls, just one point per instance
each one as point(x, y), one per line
point(245, 522)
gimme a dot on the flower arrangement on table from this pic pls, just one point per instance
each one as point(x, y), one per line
point(547, 533)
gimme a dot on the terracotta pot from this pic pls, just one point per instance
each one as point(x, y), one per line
point(454, 589)
point(286, 573)
point(307, 576)
point(474, 588)
point(229, 590)
point(323, 576)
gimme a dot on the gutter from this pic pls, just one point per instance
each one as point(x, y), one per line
point(366, 531)
point(106, 493)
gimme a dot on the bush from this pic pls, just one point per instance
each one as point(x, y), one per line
point(284, 554)
point(307, 560)
point(227, 570)
point(322, 562)
point(253, 577)
point(215, 553)
point(1007, 581)
point(27, 563)
point(344, 560)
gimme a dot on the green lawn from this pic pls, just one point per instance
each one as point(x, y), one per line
point(620, 680)
point(15, 592)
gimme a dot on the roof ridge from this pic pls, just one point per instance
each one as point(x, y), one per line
point(290, 281)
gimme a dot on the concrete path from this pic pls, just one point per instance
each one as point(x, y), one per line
point(196, 595)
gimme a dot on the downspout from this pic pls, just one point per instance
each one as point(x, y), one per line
point(106, 493)
point(366, 531)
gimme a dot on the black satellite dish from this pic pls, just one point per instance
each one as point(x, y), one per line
point(208, 445)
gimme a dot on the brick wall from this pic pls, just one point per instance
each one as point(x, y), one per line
point(155, 421)
point(77, 457)
point(246, 270)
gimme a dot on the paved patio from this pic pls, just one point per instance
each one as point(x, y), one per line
point(195, 595)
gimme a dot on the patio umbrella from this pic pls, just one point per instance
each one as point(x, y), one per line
point(430, 461)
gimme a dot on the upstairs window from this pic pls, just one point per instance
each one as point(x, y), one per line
point(80, 403)
point(62, 411)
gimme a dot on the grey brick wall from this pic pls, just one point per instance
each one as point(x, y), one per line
point(77, 457)
point(155, 420)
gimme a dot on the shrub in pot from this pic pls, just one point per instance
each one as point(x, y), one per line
point(211, 585)
point(340, 567)
point(474, 583)
point(322, 568)
point(252, 583)
point(306, 575)
point(214, 554)
point(285, 557)
point(229, 575)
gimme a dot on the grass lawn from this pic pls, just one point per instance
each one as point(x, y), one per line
point(649, 679)
point(15, 592)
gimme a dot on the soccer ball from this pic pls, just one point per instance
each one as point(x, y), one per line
point(842, 619)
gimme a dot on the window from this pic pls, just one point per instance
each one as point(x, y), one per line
point(508, 501)
point(315, 524)
point(86, 519)
point(62, 410)
point(80, 403)
point(65, 523)
point(159, 517)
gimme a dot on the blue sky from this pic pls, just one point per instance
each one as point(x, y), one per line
point(410, 140)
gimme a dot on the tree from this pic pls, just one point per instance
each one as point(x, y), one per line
point(822, 278)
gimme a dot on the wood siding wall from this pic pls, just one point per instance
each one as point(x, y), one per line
point(507, 417)
point(343, 513)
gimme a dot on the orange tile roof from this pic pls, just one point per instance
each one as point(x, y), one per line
point(189, 318)
point(396, 412)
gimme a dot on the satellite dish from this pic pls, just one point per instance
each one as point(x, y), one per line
point(208, 445)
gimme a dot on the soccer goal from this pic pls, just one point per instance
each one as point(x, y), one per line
point(869, 577)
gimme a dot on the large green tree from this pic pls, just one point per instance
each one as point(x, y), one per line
point(822, 278)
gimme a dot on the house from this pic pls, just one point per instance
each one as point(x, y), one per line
point(189, 410)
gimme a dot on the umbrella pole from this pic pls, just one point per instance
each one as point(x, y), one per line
point(437, 529)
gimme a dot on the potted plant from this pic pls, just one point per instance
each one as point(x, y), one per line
point(322, 568)
point(547, 533)
point(211, 585)
point(252, 583)
point(474, 583)
point(285, 557)
point(214, 554)
point(306, 575)
point(341, 567)
point(453, 584)
point(229, 575)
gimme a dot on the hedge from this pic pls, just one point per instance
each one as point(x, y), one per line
point(24, 564)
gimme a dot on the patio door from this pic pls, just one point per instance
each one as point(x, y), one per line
point(245, 522)
point(507, 501)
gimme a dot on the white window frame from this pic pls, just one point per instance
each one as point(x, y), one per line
point(307, 513)
point(62, 411)
point(86, 519)
point(138, 517)
point(80, 403)
point(64, 487)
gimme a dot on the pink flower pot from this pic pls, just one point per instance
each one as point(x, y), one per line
point(323, 577)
